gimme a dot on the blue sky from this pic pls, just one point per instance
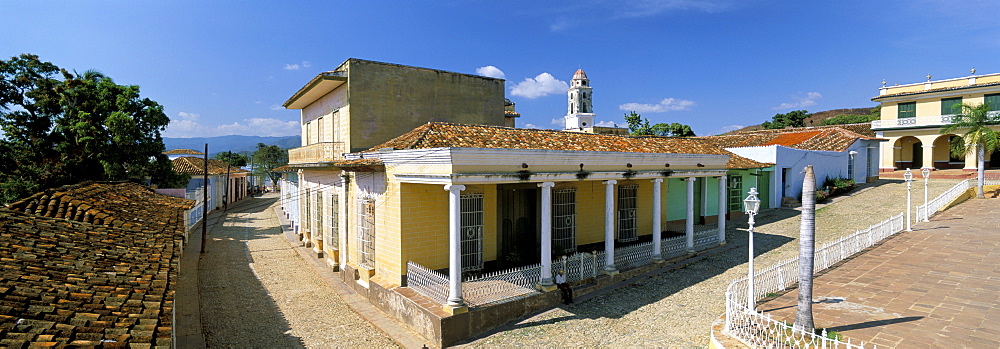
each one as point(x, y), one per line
point(226, 67)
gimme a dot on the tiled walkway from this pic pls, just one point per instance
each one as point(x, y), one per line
point(937, 286)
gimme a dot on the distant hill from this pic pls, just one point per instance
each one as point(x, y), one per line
point(816, 119)
point(234, 143)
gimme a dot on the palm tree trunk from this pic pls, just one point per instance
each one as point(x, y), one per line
point(807, 248)
point(980, 169)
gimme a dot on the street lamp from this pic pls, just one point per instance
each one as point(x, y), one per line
point(926, 172)
point(750, 205)
point(908, 176)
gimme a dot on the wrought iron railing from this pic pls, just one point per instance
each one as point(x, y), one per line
point(925, 121)
point(758, 329)
point(515, 283)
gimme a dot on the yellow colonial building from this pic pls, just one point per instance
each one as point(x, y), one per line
point(913, 115)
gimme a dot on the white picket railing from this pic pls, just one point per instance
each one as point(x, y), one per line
point(758, 329)
point(506, 285)
point(925, 212)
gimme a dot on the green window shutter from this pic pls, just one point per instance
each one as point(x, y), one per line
point(907, 110)
point(951, 105)
point(993, 100)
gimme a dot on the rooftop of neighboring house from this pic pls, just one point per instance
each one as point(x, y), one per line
point(440, 135)
point(183, 152)
point(195, 166)
point(825, 138)
point(67, 282)
point(953, 84)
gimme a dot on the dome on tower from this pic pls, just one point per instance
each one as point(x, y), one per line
point(580, 75)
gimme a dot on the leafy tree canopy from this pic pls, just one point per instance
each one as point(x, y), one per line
point(876, 113)
point(639, 126)
point(795, 118)
point(268, 157)
point(234, 159)
point(62, 127)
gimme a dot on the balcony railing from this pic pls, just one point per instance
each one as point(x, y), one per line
point(923, 121)
point(314, 153)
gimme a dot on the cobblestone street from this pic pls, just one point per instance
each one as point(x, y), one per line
point(676, 308)
point(257, 292)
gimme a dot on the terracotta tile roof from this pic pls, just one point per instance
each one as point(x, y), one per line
point(511, 113)
point(118, 205)
point(183, 152)
point(437, 135)
point(963, 87)
point(194, 166)
point(357, 165)
point(67, 283)
point(826, 138)
point(285, 168)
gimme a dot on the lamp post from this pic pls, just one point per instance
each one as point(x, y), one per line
point(908, 176)
point(750, 205)
point(926, 172)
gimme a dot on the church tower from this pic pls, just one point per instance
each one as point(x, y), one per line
point(581, 109)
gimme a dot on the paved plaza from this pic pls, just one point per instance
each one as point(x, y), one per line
point(937, 286)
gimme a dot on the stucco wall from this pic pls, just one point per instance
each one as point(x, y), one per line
point(388, 100)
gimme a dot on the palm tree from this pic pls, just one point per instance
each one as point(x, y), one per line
point(975, 120)
point(807, 248)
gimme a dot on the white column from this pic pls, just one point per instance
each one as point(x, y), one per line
point(455, 244)
point(609, 226)
point(657, 226)
point(546, 233)
point(723, 207)
point(689, 228)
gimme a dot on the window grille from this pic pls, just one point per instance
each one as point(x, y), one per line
point(333, 238)
point(735, 193)
point(564, 221)
point(306, 208)
point(906, 110)
point(318, 226)
point(850, 166)
point(366, 233)
point(472, 231)
point(870, 161)
point(626, 213)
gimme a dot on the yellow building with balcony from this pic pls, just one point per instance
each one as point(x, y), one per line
point(914, 114)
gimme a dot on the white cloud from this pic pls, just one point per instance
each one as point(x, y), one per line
point(490, 71)
point(561, 122)
point(187, 125)
point(667, 104)
point(531, 126)
point(726, 129)
point(304, 64)
point(645, 8)
point(559, 24)
point(277, 107)
point(607, 123)
point(542, 85)
point(800, 101)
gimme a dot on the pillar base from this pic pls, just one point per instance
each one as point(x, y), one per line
point(691, 250)
point(723, 243)
point(455, 309)
point(657, 259)
point(546, 288)
point(611, 272)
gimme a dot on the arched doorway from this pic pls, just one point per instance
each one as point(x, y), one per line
point(943, 158)
point(909, 153)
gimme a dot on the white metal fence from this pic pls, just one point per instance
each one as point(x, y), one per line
point(196, 214)
point(758, 329)
point(925, 212)
point(506, 285)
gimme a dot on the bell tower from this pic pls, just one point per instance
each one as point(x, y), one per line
point(581, 110)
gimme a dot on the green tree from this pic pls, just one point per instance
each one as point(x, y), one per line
point(233, 159)
point(639, 126)
point(266, 158)
point(61, 128)
point(795, 118)
point(807, 253)
point(975, 120)
point(875, 114)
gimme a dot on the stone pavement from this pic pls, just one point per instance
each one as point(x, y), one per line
point(676, 308)
point(937, 286)
point(257, 291)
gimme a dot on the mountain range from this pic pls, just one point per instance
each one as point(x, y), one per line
point(234, 143)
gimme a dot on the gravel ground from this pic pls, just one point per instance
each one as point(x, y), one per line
point(676, 308)
point(257, 292)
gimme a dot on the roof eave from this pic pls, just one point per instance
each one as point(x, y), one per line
point(318, 87)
